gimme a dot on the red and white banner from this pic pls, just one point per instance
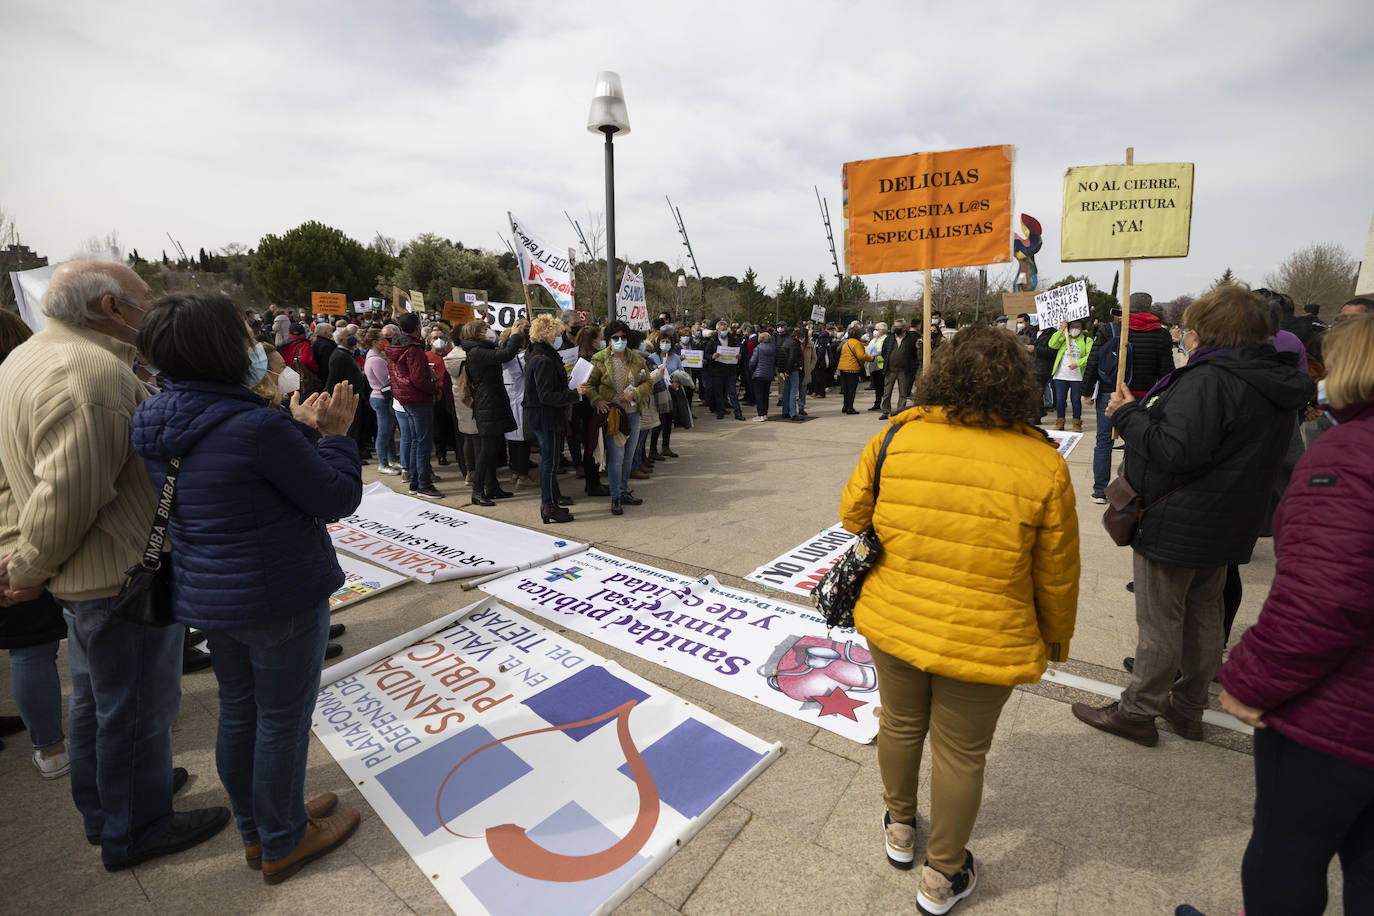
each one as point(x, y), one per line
point(543, 264)
point(800, 569)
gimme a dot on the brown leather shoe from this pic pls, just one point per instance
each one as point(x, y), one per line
point(319, 806)
point(1190, 729)
point(637, 474)
point(322, 836)
point(1111, 719)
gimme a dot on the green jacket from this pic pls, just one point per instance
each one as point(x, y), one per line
point(1061, 343)
point(602, 379)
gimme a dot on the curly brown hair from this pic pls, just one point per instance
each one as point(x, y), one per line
point(982, 377)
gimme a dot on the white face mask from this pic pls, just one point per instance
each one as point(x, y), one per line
point(1074, 332)
point(1020, 325)
point(288, 382)
point(558, 342)
point(492, 335)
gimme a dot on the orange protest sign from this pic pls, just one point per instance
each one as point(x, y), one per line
point(927, 210)
point(458, 313)
point(329, 303)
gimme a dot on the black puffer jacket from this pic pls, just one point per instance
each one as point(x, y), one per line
point(789, 357)
point(1044, 353)
point(490, 405)
point(1206, 447)
point(547, 395)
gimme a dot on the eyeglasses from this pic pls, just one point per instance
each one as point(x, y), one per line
point(619, 337)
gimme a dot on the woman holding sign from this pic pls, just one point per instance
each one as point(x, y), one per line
point(621, 383)
point(1071, 348)
point(851, 363)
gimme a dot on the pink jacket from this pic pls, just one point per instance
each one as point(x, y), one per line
point(1309, 661)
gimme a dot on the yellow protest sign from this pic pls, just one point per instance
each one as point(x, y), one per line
point(1115, 212)
point(946, 209)
point(417, 299)
point(329, 303)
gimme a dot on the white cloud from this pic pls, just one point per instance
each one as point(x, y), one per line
point(225, 122)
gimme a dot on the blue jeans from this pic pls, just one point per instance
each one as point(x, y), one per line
point(126, 692)
point(38, 692)
point(404, 424)
point(1102, 450)
point(619, 458)
point(638, 461)
point(269, 677)
point(386, 429)
point(1065, 390)
point(550, 449)
point(417, 443)
point(793, 395)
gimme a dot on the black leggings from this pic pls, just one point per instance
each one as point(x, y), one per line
point(1231, 594)
point(520, 458)
point(489, 450)
point(665, 426)
point(1309, 807)
point(849, 386)
point(761, 386)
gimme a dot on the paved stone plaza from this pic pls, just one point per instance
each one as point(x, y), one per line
point(1074, 821)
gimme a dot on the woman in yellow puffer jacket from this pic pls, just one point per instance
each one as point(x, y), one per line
point(976, 590)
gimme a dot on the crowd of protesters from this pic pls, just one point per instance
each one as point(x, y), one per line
point(1239, 419)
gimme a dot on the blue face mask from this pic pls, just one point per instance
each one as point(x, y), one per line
point(618, 345)
point(257, 366)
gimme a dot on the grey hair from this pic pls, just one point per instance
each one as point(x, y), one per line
point(74, 300)
point(341, 336)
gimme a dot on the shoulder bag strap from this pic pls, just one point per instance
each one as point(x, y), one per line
point(157, 538)
point(882, 456)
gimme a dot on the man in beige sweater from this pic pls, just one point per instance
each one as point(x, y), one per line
point(85, 506)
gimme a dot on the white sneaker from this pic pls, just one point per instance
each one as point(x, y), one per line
point(389, 470)
point(900, 840)
point(760, 419)
point(937, 893)
point(52, 767)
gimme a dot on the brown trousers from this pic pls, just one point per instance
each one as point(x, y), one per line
point(960, 718)
point(1179, 624)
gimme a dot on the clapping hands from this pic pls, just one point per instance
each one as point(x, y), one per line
point(330, 413)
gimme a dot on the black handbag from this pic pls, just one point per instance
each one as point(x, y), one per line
point(838, 591)
point(146, 596)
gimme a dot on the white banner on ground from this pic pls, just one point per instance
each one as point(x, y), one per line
point(1064, 441)
point(543, 264)
point(1064, 303)
point(799, 569)
point(362, 581)
point(435, 543)
point(776, 654)
point(630, 306)
point(525, 774)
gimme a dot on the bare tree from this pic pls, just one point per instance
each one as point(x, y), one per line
point(100, 245)
point(233, 249)
point(1322, 273)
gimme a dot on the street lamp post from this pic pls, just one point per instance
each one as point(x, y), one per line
point(609, 116)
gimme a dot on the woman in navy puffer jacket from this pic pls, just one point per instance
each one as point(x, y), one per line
point(252, 563)
point(1304, 674)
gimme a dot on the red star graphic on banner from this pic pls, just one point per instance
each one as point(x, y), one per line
point(839, 703)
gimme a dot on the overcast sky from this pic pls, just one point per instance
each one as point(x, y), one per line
point(220, 122)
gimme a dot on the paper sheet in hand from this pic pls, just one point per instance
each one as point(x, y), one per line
point(728, 355)
point(581, 371)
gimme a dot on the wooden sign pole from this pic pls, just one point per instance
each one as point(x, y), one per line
point(1125, 302)
point(925, 325)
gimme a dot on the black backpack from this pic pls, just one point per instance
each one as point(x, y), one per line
point(1110, 357)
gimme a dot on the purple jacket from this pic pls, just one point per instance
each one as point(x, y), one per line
point(1309, 661)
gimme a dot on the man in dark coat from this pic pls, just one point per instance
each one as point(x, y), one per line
point(1202, 449)
point(490, 405)
point(722, 375)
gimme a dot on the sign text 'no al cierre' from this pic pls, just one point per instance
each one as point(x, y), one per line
point(928, 210)
point(1116, 212)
